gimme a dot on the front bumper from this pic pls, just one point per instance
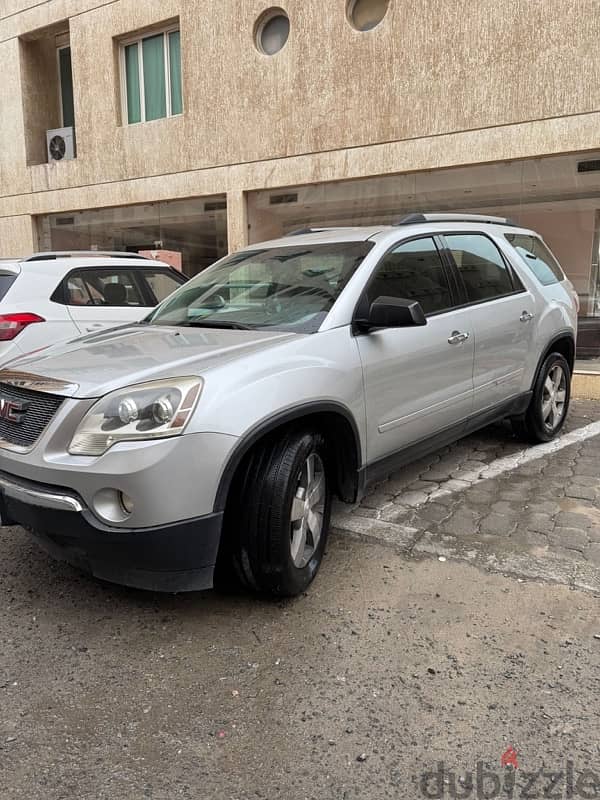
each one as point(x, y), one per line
point(171, 558)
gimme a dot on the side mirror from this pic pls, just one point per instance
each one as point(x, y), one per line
point(392, 312)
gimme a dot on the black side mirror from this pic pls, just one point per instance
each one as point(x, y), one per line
point(392, 312)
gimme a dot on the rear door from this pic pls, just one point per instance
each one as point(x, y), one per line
point(104, 297)
point(28, 320)
point(418, 380)
point(503, 318)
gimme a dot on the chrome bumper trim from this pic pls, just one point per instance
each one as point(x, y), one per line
point(36, 497)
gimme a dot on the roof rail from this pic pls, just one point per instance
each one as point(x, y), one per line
point(53, 255)
point(302, 231)
point(415, 219)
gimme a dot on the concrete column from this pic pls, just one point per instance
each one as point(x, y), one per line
point(237, 220)
point(17, 236)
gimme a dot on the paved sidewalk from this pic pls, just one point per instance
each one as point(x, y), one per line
point(489, 499)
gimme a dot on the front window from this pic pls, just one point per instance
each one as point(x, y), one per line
point(101, 287)
point(284, 288)
point(151, 66)
point(413, 271)
point(161, 283)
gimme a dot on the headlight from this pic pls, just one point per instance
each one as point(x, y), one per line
point(146, 411)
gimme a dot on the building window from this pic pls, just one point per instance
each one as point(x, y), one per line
point(47, 94)
point(65, 80)
point(364, 15)
point(272, 31)
point(151, 73)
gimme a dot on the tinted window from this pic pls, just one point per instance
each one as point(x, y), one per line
point(6, 281)
point(161, 282)
point(413, 271)
point(483, 270)
point(102, 287)
point(537, 257)
point(288, 288)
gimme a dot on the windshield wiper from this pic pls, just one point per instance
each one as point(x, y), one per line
point(227, 325)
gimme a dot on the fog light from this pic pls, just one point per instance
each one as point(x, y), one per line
point(126, 502)
point(112, 505)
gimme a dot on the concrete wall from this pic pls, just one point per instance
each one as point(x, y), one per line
point(437, 83)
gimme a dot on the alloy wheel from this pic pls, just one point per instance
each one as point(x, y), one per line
point(308, 508)
point(554, 396)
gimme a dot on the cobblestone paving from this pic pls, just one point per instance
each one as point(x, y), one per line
point(538, 520)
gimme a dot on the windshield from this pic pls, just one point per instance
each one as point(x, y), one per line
point(283, 288)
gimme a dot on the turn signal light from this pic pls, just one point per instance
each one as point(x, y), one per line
point(11, 325)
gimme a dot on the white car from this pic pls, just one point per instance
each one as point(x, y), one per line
point(53, 297)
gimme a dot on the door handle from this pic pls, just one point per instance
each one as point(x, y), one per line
point(457, 337)
point(526, 316)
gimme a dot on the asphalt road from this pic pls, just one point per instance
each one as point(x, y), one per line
point(389, 665)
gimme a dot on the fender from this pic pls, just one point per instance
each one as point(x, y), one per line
point(566, 333)
point(257, 432)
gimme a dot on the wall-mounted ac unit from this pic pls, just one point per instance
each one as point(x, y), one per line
point(61, 144)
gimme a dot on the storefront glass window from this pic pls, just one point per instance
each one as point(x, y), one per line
point(193, 231)
point(559, 197)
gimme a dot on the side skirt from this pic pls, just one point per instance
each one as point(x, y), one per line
point(385, 466)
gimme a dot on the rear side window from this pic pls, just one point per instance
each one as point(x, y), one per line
point(484, 272)
point(537, 257)
point(6, 281)
point(413, 271)
point(101, 287)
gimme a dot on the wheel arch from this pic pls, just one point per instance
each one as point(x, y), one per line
point(326, 417)
point(563, 343)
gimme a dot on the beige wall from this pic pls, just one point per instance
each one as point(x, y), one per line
point(438, 83)
point(16, 236)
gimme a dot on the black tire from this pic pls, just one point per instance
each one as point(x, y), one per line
point(533, 426)
point(259, 527)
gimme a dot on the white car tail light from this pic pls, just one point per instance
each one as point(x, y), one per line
point(11, 325)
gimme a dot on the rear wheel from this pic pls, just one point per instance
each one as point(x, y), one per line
point(549, 404)
point(281, 520)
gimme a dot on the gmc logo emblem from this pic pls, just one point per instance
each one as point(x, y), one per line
point(12, 411)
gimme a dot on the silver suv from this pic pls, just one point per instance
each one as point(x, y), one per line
point(206, 442)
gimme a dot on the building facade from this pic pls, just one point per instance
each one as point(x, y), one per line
point(201, 127)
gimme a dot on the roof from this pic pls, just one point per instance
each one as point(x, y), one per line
point(406, 226)
point(61, 265)
point(323, 236)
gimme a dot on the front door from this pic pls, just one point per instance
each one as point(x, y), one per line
point(99, 298)
point(502, 313)
point(418, 380)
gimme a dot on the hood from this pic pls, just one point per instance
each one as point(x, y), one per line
point(95, 365)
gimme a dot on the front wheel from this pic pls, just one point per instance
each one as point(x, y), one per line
point(549, 404)
point(282, 514)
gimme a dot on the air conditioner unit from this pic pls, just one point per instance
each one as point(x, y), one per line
point(60, 144)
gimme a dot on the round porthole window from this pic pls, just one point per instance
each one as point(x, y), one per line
point(366, 14)
point(272, 31)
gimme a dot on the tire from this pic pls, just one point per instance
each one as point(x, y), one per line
point(271, 516)
point(549, 407)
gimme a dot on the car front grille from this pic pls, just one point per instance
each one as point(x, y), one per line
point(24, 415)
